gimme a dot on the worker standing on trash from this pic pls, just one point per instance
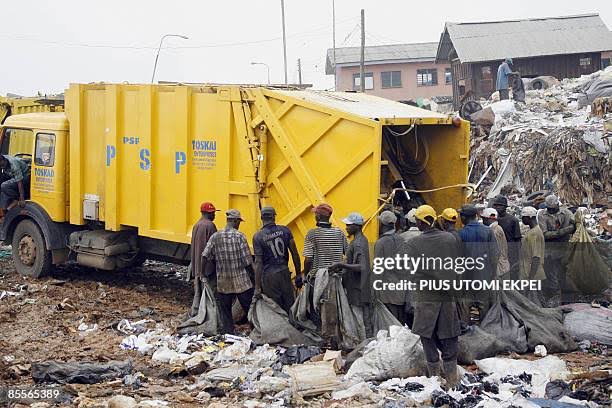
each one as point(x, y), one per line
point(448, 221)
point(356, 271)
point(531, 258)
point(200, 234)
point(478, 243)
point(272, 246)
point(436, 319)
point(388, 246)
point(503, 72)
point(557, 225)
point(412, 231)
point(324, 245)
point(234, 267)
point(489, 218)
point(512, 230)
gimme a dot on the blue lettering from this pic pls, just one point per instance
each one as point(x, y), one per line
point(145, 162)
point(181, 159)
point(131, 140)
point(111, 152)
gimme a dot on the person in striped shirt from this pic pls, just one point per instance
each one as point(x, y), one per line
point(324, 245)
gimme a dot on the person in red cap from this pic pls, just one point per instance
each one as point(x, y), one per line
point(201, 233)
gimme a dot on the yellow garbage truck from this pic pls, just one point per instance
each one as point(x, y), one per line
point(119, 176)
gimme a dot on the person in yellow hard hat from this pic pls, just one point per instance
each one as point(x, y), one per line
point(448, 220)
point(436, 319)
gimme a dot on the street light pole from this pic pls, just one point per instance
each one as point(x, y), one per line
point(284, 39)
point(184, 37)
point(267, 68)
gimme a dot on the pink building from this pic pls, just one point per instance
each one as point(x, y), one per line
point(400, 72)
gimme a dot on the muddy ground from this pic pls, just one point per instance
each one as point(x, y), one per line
point(42, 324)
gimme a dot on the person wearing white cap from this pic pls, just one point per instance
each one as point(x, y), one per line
point(531, 255)
point(356, 276)
point(388, 246)
point(412, 231)
point(489, 218)
point(558, 225)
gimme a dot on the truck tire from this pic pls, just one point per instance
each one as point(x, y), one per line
point(30, 253)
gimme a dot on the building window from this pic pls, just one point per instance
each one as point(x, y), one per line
point(486, 72)
point(585, 62)
point(448, 76)
point(427, 77)
point(391, 79)
point(369, 81)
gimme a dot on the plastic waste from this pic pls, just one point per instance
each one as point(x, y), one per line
point(360, 390)
point(79, 372)
point(400, 354)
point(593, 324)
point(382, 318)
point(299, 354)
point(543, 370)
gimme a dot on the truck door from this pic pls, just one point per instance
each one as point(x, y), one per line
point(19, 143)
point(48, 173)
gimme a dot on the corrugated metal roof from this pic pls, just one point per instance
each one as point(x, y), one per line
point(496, 40)
point(382, 53)
point(364, 105)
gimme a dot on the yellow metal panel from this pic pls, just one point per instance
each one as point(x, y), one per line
point(176, 146)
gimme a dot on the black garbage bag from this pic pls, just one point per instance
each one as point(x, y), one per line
point(557, 389)
point(79, 372)
point(299, 354)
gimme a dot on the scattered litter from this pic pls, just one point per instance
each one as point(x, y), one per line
point(86, 328)
point(234, 352)
point(7, 293)
point(66, 305)
point(226, 373)
point(272, 385)
point(542, 371)
point(540, 351)
point(79, 372)
point(299, 354)
point(126, 327)
point(360, 390)
point(313, 378)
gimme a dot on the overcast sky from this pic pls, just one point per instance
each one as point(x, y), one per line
point(46, 45)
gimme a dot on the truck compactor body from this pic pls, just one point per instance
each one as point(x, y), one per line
point(119, 176)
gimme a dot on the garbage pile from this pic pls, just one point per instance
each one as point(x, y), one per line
point(552, 142)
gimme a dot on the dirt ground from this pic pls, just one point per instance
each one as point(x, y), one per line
point(42, 324)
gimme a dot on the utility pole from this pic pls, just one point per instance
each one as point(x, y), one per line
point(299, 71)
point(334, 43)
point(362, 62)
point(284, 39)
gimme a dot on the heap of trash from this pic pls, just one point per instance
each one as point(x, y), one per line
point(558, 140)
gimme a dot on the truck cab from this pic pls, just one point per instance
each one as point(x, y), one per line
point(37, 231)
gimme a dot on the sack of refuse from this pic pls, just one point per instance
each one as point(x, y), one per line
point(79, 372)
point(382, 318)
point(338, 321)
point(514, 318)
point(208, 319)
point(502, 323)
point(271, 325)
point(397, 353)
point(589, 323)
point(302, 308)
point(477, 344)
point(585, 266)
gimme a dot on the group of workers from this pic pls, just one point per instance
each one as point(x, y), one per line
point(223, 259)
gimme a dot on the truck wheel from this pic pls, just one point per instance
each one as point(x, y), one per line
point(30, 253)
